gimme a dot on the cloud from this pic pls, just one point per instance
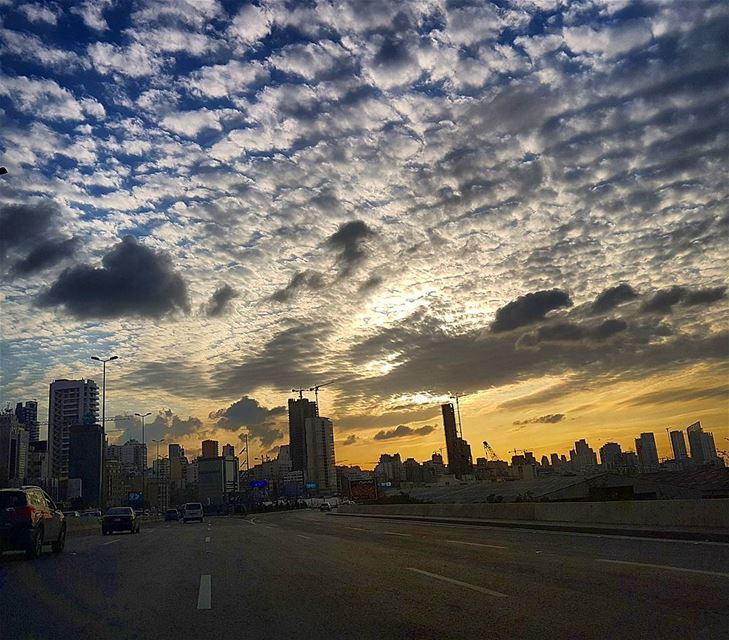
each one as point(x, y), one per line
point(92, 13)
point(219, 302)
point(528, 309)
point(550, 418)
point(612, 297)
point(372, 283)
point(134, 60)
point(262, 423)
point(679, 395)
point(312, 280)
point(44, 255)
point(404, 431)
point(705, 296)
point(39, 13)
point(132, 281)
point(349, 240)
point(663, 301)
point(44, 99)
point(350, 439)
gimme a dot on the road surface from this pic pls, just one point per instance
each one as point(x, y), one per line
point(306, 574)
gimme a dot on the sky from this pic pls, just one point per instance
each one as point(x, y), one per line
point(520, 201)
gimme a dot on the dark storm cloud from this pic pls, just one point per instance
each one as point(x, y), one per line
point(262, 423)
point(704, 296)
point(571, 332)
point(612, 297)
point(308, 279)
point(550, 418)
point(349, 240)
point(45, 255)
point(132, 281)
point(528, 309)
point(165, 424)
point(30, 233)
point(404, 431)
point(219, 302)
point(663, 301)
point(608, 329)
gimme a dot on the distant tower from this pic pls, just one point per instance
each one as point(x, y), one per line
point(299, 411)
point(28, 416)
point(460, 462)
point(209, 449)
point(678, 444)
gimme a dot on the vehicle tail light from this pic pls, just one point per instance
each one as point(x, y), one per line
point(25, 512)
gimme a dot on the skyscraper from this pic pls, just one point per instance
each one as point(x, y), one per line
point(84, 460)
point(13, 450)
point(69, 402)
point(583, 458)
point(460, 462)
point(645, 447)
point(299, 411)
point(28, 416)
point(678, 444)
point(176, 451)
point(703, 448)
point(228, 450)
point(611, 455)
point(320, 461)
point(209, 449)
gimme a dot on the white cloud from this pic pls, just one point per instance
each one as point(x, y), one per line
point(45, 99)
point(173, 40)
point(224, 80)
point(39, 13)
point(31, 48)
point(608, 41)
point(190, 123)
point(251, 24)
point(134, 60)
point(92, 13)
point(310, 60)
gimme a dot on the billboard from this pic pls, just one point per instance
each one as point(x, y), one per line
point(259, 484)
point(135, 499)
point(362, 490)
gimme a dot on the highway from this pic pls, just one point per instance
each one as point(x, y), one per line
point(306, 574)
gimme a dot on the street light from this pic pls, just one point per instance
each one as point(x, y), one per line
point(159, 477)
point(144, 450)
point(103, 421)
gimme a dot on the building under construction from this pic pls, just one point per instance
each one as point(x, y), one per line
point(460, 462)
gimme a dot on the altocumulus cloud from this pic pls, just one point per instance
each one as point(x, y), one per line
point(404, 431)
point(529, 308)
point(550, 418)
point(133, 280)
point(349, 240)
point(219, 302)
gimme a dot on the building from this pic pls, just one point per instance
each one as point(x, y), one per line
point(645, 447)
point(320, 460)
point(554, 460)
point(299, 412)
point(27, 415)
point(36, 471)
point(69, 402)
point(86, 442)
point(582, 457)
point(678, 445)
point(611, 455)
point(14, 441)
point(228, 450)
point(703, 448)
point(217, 479)
point(210, 449)
point(460, 462)
point(390, 469)
point(133, 455)
point(176, 451)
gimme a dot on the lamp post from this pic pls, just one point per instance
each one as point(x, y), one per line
point(103, 422)
point(144, 452)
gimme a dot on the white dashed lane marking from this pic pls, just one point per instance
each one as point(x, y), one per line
point(205, 595)
point(465, 585)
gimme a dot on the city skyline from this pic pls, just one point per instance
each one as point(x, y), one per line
point(521, 202)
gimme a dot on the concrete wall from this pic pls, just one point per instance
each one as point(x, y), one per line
point(646, 513)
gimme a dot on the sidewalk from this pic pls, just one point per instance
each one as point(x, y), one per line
point(669, 533)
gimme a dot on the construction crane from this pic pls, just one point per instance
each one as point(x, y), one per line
point(490, 453)
point(316, 388)
point(300, 391)
point(455, 397)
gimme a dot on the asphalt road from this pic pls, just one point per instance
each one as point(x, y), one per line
point(306, 574)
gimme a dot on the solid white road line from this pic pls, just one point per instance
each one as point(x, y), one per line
point(477, 544)
point(358, 528)
point(204, 596)
point(473, 587)
point(113, 541)
point(207, 539)
point(394, 533)
point(298, 535)
point(665, 566)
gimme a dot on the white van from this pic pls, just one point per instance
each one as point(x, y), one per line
point(192, 511)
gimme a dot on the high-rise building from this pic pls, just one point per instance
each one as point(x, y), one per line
point(28, 416)
point(176, 451)
point(320, 461)
point(582, 457)
point(299, 411)
point(84, 460)
point(678, 444)
point(133, 455)
point(13, 450)
point(460, 462)
point(69, 402)
point(390, 469)
point(703, 448)
point(554, 460)
point(217, 479)
point(37, 470)
point(645, 447)
point(228, 450)
point(611, 455)
point(209, 449)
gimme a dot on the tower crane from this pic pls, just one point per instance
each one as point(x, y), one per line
point(300, 391)
point(316, 388)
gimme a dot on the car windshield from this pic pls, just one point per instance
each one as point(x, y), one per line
point(364, 319)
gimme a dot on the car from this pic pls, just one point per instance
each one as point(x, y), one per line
point(119, 519)
point(192, 511)
point(325, 506)
point(171, 514)
point(29, 519)
point(72, 514)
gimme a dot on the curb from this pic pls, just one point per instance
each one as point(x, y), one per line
point(683, 534)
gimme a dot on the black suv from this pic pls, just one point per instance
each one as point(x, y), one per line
point(28, 520)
